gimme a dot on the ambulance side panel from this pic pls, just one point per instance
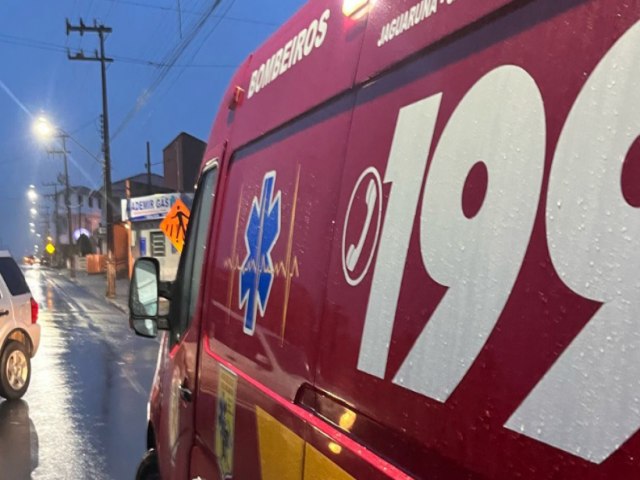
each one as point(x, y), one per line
point(312, 58)
point(288, 182)
point(479, 317)
point(454, 285)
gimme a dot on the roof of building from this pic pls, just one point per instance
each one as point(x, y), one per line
point(183, 134)
point(157, 180)
point(81, 189)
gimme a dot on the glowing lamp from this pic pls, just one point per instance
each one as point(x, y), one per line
point(351, 7)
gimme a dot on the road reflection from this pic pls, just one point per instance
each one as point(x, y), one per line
point(88, 390)
point(18, 441)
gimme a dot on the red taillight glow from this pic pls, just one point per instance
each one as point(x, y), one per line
point(34, 311)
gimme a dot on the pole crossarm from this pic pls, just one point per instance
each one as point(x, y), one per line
point(95, 28)
point(82, 57)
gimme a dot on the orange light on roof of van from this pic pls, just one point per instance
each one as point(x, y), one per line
point(351, 7)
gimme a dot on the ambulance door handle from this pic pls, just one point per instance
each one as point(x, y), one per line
point(185, 393)
point(4, 312)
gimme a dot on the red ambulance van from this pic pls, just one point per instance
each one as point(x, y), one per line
point(414, 252)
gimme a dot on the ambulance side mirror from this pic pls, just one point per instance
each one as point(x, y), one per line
point(144, 297)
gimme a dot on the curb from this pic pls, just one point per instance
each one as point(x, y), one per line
point(117, 305)
point(111, 301)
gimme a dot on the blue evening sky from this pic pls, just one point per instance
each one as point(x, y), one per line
point(36, 77)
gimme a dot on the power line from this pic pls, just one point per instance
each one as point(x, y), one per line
point(213, 29)
point(32, 43)
point(204, 40)
point(37, 44)
point(169, 61)
point(86, 150)
point(85, 124)
point(151, 63)
point(153, 7)
point(191, 12)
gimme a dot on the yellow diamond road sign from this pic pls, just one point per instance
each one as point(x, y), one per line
point(50, 248)
point(175, 224)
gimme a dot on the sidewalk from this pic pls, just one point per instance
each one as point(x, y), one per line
point(97, 284)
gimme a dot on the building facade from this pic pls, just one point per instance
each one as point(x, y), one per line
point(86, 207)
point(182, 159)
point(143, 216)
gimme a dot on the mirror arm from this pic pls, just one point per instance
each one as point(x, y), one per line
point(165, 289)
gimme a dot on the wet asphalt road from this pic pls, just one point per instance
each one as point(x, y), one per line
point(84, 414)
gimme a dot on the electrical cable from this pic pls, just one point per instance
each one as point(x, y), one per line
point(169, 62)
point(204, 40)
point(190, 12)
point(37, 44)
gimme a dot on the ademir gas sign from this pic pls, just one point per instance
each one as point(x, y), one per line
point(153, 207)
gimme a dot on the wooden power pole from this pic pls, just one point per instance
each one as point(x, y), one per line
point(148, 165)
point(101, 30)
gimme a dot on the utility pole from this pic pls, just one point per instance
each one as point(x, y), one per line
point(56, 220)
point(148, 164)
point(67, 190)
point(179, 18)
point(47, 225)
point(55, 203)
point(101, 30)
point(105, 199)
point(80, 202)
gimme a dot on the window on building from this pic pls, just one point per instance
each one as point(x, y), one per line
point(99, 203)
point(80, 199)
point(158, 244)
point(90, 200)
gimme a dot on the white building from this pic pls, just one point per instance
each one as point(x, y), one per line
point(86, 215)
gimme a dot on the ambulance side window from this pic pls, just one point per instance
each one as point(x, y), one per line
point(193, 255)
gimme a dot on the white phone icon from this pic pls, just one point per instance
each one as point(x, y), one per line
point(353, 254)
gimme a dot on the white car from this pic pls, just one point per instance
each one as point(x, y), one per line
point(19, 331)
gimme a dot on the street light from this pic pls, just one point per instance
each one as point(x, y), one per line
point(33, 196)
point(33, 212)
point(44, 130)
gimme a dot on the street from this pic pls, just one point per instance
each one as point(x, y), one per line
point(84, 415)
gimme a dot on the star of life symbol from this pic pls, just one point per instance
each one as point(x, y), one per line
point(263, 229)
